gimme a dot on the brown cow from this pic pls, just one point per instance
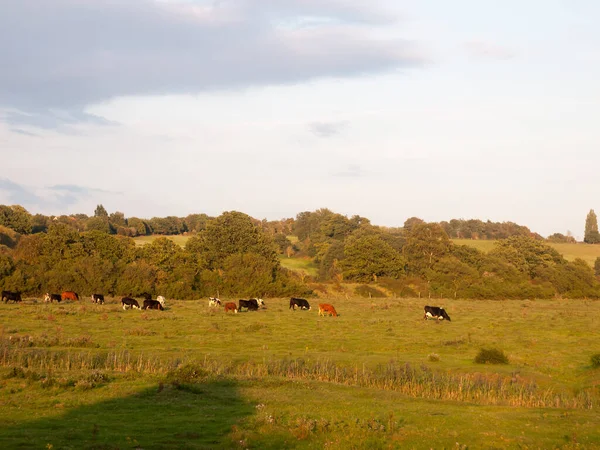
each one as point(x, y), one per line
point(327, 309)
point(69, 295)
point(230, 306)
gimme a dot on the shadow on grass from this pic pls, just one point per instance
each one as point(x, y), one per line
point(198, 416)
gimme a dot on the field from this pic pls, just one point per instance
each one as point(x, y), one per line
point(86, 376)
point(177, 238)
point(587, 252)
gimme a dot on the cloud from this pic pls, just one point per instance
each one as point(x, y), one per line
point(327, 129)
point(24, 132)
point(56, 197)
point(53, 120)
point(59, 56)
point(18, 194)
point(486, 51)
point(351, 171)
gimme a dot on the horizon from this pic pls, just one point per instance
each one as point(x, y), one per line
point(387, 110)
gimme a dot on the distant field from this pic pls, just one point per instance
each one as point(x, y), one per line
point(82, 376)
point(299, 264)
point(178, 239)
point(587, 252)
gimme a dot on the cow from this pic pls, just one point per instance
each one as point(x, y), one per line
point(161, 299)
point(327, 309)
point(98, 298)
point(145, 296)
point(152, 304)
point(69, 295)
point(299, 302)
point(213, 301)
point(9, 295)
point(49, 298)
point(434, 312)
point(230, 306)
point(129, 303)
point(252, 304)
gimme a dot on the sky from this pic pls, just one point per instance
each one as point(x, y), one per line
point(388, 109)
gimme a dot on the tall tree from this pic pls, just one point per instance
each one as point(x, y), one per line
point(591, 235)
point(100, 211)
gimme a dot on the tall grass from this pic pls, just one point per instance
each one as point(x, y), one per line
point(410, 380)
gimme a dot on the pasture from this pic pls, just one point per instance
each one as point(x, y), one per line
point(587, 252)
point(80, 375)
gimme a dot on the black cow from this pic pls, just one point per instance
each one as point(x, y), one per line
point(251, 305)
point(9, 295)
point(434, 312)
point(299, 302)
point(152, 304)
point(98, 298)
point(49, 298)
point(131, 303)
point(145, 296)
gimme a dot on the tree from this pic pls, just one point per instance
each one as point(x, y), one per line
point(15, 217)
point(426, 243)
point(100, 211)
point(591, 235)
point(229, 234)
point(369, 257)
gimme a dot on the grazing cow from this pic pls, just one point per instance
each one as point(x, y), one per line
point(161, 299)
point(145, 296)
point(327, 309)
point(69, 295)
point(129, 303)
point(230, 306)
point(98, 298)
point(434, 312)
point(9, 295)
point(152, 304)
point(299, 302)
point(49, 298)
point(214, 301)
point(252, 304)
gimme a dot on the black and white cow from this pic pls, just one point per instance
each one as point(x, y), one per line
point(214, 301)
point(252, 304)
point(129, 303)
point(434, 312)
point(9, 295)
point(152, 304)
point(299, 302)
point(98, 298)
point(49, 298)
point(161, 299)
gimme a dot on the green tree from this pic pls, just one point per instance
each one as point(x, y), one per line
point(369, 257)
point(591, 235)
point(229, 234)
point(597, 267)
point(426, 243)
point(100, 211)
point(16, 218)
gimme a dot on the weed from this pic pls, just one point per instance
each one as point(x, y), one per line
point(595, 360)
point(491, 356)
point(433, 357)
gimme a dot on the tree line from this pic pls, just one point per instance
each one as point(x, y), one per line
point(236, 255)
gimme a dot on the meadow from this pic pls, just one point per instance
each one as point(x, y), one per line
point(86, 376)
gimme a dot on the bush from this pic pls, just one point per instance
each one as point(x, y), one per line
point(188, 374)
point(491, 356)
point(595, 360)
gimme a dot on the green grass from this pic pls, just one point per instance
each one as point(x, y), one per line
point(587, 252)
point(79, 375)
point(177, 238)
point(304, 265)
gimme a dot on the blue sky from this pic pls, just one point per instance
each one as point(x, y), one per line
point(387, 109)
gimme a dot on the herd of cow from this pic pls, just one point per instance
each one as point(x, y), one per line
point(253, 304)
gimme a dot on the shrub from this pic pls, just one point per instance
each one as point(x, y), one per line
point(491, 356)
point(595, 360)
point(434, 357)
point(188, 374)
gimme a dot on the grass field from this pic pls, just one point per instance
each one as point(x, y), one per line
point(86, 376)
point(587, 252)
point(177, 238)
